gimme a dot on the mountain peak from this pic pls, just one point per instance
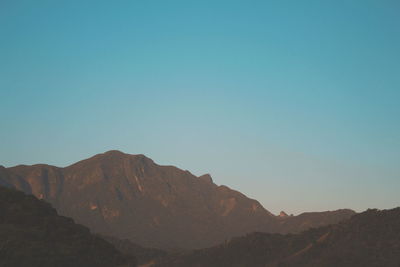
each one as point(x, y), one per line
point(114, 153)
point(119, 154)
point(206, 177)
point(283, 214)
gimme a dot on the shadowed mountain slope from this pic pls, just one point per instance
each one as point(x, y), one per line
point(307, 220)
point(131, 197)
point(32, 234)
point(369, 239)
point(144, 256)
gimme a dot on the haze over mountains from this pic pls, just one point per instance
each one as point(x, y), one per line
point(131, 197)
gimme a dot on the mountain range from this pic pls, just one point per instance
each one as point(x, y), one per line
point(131, 197)
point(371, 238)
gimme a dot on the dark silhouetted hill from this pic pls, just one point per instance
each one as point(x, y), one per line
point(369, 239)
point(32, 234)
point(307, 220)
point(143, 255)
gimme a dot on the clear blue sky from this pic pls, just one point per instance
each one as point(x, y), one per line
point(294, 103)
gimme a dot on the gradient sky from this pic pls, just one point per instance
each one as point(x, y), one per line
point(294, 103)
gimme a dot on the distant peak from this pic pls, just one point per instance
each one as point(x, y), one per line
point(112, 156)
point(114, 152)
point(283, 214)
point(119, 154)
point(206, 177)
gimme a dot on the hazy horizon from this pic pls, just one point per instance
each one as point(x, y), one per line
point(294, 105)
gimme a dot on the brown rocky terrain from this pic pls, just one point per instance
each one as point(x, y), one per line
point(131, 197)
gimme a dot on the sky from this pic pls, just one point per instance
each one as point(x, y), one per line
point(293, 103)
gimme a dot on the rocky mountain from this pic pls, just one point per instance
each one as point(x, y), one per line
point(131, 197)
point(369, 239)
point(33, 234)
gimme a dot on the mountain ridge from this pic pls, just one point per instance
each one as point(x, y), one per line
point(130, 196)
point(368, 239)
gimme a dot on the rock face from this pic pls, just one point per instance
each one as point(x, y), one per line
point(131, 197)
point(368, 239)
point(33, 234)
